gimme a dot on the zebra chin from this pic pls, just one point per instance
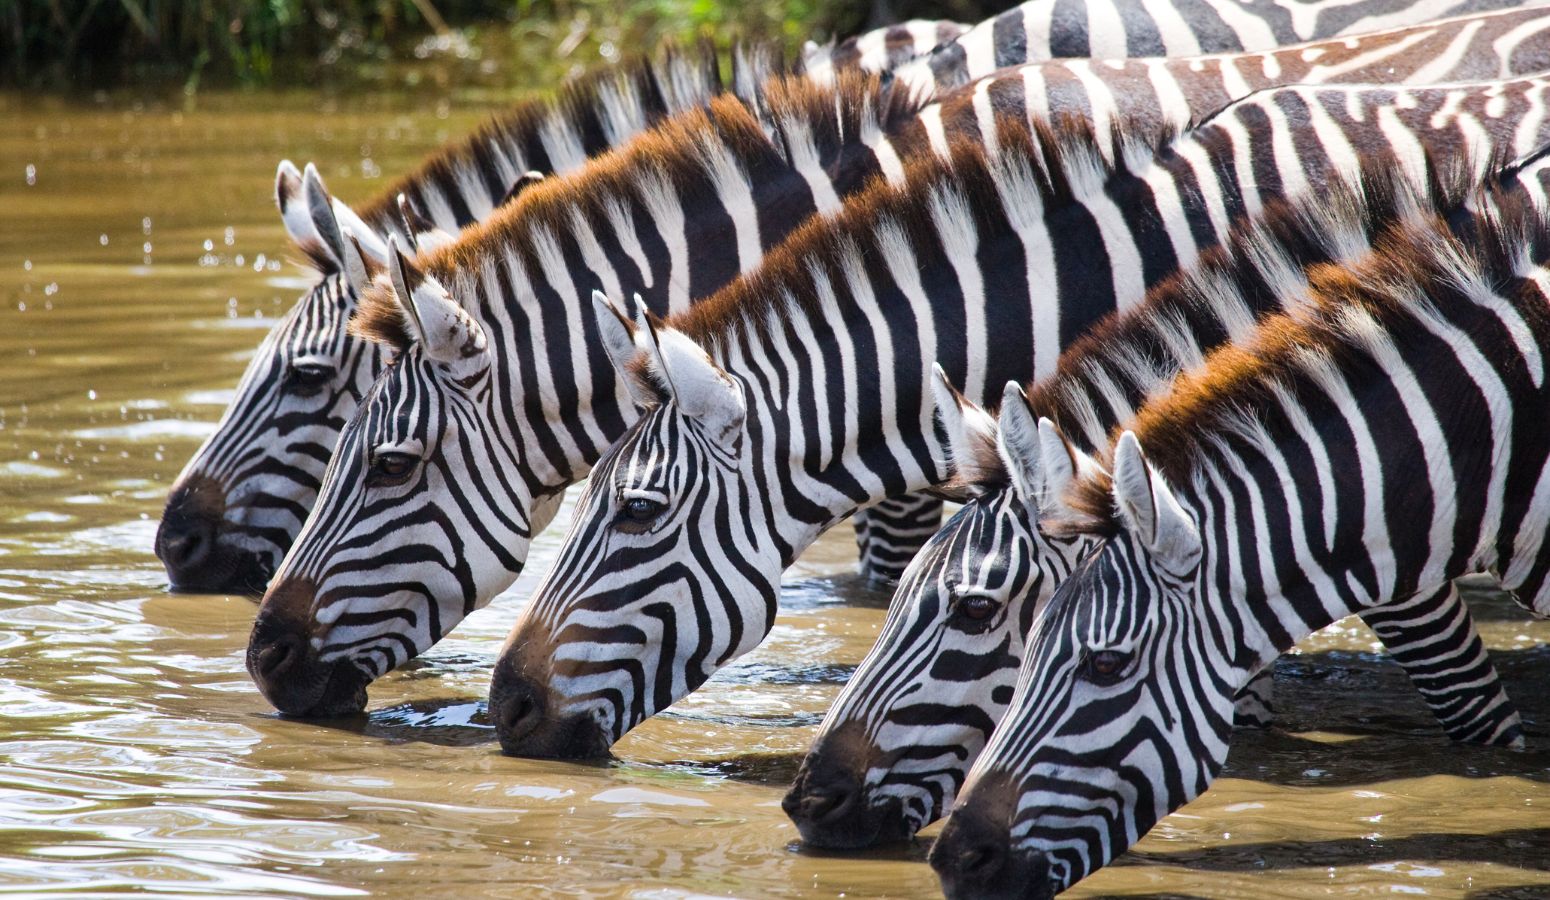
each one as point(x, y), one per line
point(288, 672)
point(189, 542)
point(830, 802)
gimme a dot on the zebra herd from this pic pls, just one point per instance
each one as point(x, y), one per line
point(1217, 276)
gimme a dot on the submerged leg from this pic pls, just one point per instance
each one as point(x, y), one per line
point(1252, 707)
point(1434, 638)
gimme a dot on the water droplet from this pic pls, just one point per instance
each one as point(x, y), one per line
point(147, 248)
point(209, 245)
point(91, 395)
point(102, 239)
point(32, 174)
point(230, 236)
point(145, 225)
point(26, 265)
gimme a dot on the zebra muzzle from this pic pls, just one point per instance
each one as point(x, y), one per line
point(288, 671)
point(188, 543)
point(521, 708)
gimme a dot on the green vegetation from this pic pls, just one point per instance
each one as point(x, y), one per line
point(93, 43)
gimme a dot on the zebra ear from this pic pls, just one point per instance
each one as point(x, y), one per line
point(443, 329)
point(1018, 445)
point(620, 341)
point(422, 232)
point(320, 208)
point(702, 390)
point(524, 181)
point(361, 267)
point(1063, 464)
point(1149, 510)
point(971, 438)
point(290, 197)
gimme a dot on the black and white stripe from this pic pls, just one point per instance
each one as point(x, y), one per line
point(1123, 29)
point(1358, 454)
point(802, 396)
point(898, 741)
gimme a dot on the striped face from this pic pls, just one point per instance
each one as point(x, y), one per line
point(895, 747)
point(664, 579)
point(1122, 713)
point(406, 539)
point(239, 502)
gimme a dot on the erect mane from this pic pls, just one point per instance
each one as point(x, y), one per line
point(1035, 167)
point(1349, 308)
point(681, 152)
point(681, 77)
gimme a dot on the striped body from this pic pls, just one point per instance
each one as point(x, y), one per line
point(1355, 455)
point(239, 502)
point(898, 741)
point(1123, 29)
point(821, 360)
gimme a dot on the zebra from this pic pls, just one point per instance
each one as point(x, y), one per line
point(236, 507)
point(900, 737)
point(799, 394)
point(1255, 502)
point(879, 51)
point(1120, 29)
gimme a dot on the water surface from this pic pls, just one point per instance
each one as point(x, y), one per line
point(141, 260)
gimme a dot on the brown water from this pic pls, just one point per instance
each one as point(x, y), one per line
point(138, 250)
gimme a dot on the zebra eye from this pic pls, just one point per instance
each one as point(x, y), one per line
point(1104, 667)
point(306, 379)
point(976, 607)
point(637, 513)
point(389, 469)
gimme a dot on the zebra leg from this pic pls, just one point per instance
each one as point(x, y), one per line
point(890, 533)
point(1434, 638)
point(1252, 707)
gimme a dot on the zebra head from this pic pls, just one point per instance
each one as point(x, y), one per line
point(662, 579)
point(1121, 714)
point(237, 505)
point(402, 545)
point(893, 751)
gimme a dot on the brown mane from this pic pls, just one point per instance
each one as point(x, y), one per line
point(1413, 265)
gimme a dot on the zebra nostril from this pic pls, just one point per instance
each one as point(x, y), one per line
point(278, 657)
point(829, 805)
point(518, 713)
point(185, 547)
point(982, 862)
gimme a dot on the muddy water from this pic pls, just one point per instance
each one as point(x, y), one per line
point(141, 260)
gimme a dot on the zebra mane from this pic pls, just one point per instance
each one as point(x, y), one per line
point(1447, 252)
point(684, 77)
point(1026, 169)
point(685, 153)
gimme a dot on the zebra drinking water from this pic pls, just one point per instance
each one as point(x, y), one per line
point(902, 734)
point(1358, 453)
point(800, 394)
